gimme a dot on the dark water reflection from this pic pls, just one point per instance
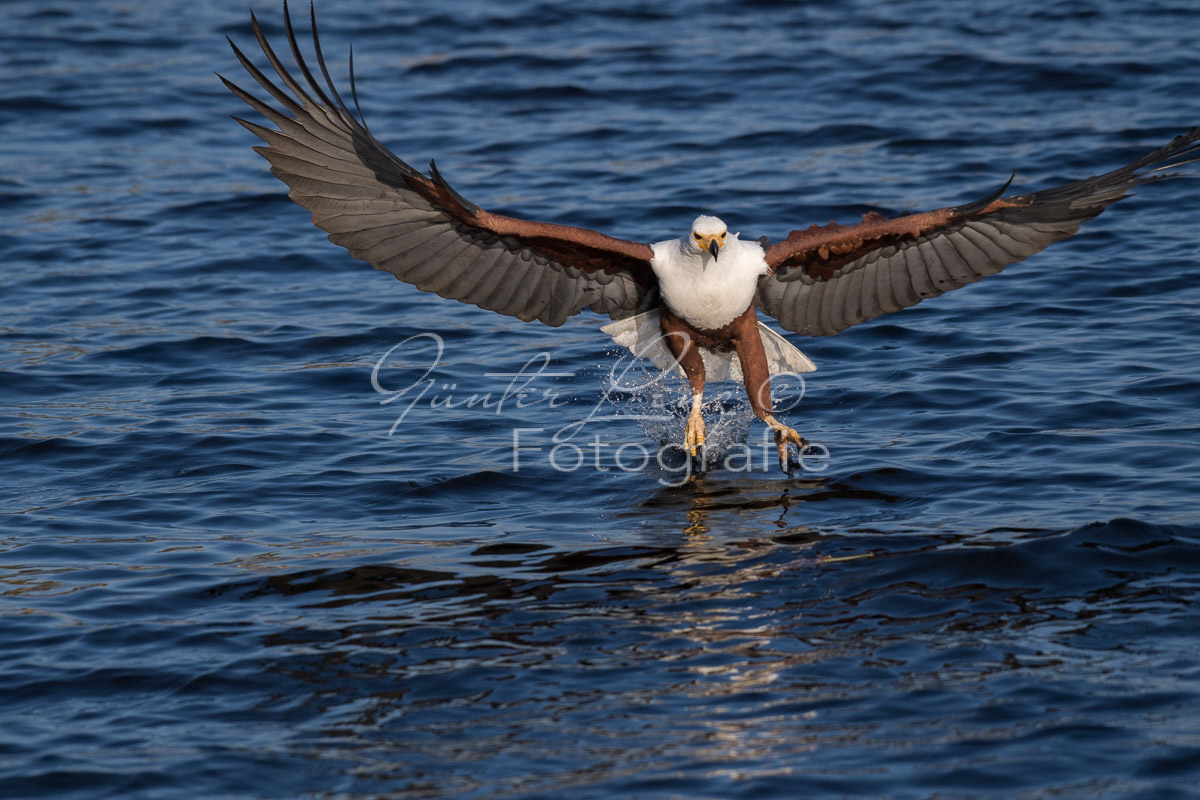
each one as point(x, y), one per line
point(692, 654)
point(704, 666)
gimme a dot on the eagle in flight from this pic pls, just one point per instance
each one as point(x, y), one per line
point(699, 295)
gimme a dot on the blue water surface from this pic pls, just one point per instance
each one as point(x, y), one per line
point(260, 540)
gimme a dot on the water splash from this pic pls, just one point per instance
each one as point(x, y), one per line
point(660, 401)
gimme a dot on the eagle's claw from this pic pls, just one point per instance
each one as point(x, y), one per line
point(783, 437)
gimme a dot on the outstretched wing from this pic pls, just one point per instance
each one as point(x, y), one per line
point(827, 278)
point(418, 228)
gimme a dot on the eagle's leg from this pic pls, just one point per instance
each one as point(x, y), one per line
point(687, 355)
point(757, 375)
point(693, 438)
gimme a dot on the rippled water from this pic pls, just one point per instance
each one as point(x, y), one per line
point(231, 570)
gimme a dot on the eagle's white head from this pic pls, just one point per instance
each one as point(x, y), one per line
point(708, 235)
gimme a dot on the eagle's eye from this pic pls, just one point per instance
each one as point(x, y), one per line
point(697, 237)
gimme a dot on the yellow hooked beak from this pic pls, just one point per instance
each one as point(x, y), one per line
point(712, 244)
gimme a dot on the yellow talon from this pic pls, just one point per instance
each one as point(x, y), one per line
point(783, 437)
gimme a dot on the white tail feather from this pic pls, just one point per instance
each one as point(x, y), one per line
point(644, 338)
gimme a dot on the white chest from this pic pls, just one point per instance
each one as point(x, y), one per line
point(705, 292)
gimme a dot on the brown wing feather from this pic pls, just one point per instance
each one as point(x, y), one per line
point(419, 228)
point(829, 277)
